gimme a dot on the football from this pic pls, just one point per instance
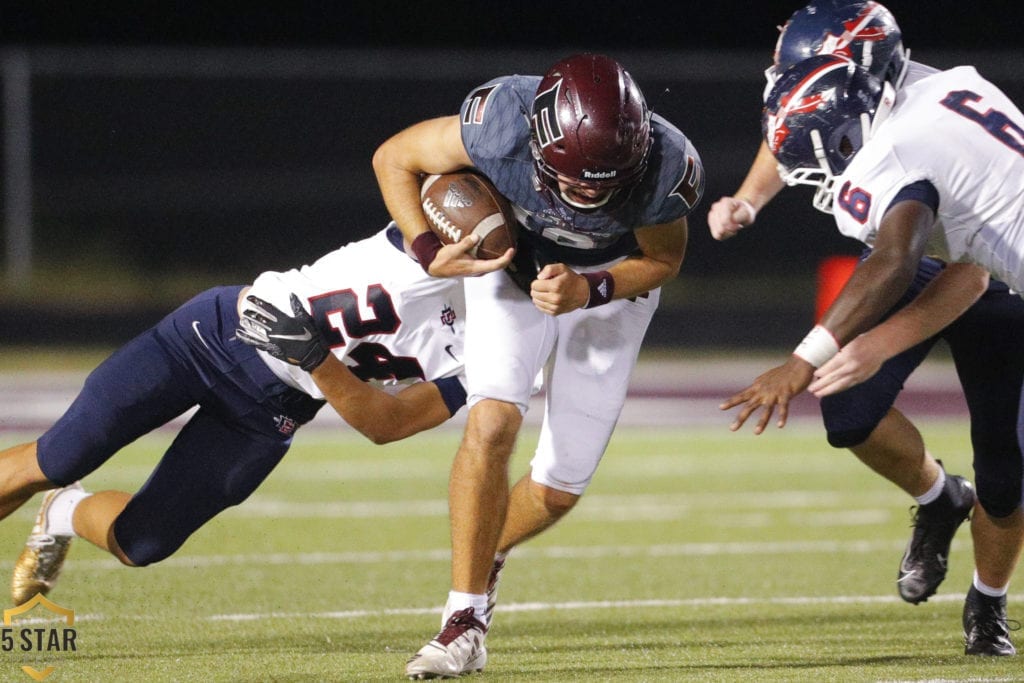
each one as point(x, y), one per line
point(463, 203)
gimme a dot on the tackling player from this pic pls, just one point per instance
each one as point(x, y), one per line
point(941, 171)
point(989, 365)
point(363, 328)
point(601, 187)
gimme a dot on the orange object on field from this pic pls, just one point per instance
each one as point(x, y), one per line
point(833, 273)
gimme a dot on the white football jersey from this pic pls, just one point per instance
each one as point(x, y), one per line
point(963, 135)
point(389, 321)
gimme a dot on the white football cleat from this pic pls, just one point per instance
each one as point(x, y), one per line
point(458, 649)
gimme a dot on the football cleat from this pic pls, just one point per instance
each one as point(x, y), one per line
point(458, 649)
point(925, 561)
point(492, 591)
point(43, 556)
point(986, 631)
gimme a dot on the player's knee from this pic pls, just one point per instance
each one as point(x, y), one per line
point(493, 426)
point(140, 548)
point(997, 497)
point(557, 503)
point(146, 553)
point(848, 438)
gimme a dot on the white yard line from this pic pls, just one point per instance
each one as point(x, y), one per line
point(545, 606)
point(554, 552)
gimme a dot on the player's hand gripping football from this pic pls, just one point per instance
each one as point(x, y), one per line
point(454, 260)
point(293, 339)
point(774, 389)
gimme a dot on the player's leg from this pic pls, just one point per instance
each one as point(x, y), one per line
point(478, 491)
point(997, 528)
point(135, 390)
point(93, 519)
point(863, 419)
point(210, 466)
point(507, 343)
point(985, 343)
point(587, 379)
point(895, 450)
point(532, 508)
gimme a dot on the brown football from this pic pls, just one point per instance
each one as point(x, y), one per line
point(462, 203)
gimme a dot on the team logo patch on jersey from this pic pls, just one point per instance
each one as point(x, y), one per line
point(448, 317)
point(285, 424)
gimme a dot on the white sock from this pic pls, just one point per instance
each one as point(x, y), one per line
point(935, 491)
point(459, 601)
point(62, 511)
point(984, 589)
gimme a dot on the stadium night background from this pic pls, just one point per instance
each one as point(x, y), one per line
point(168, 149)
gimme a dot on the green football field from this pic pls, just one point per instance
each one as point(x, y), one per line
point(697, 554)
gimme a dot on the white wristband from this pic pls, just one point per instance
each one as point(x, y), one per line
point(749, 207)
point(817, 347)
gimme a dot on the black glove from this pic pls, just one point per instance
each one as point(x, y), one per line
point(294, 340)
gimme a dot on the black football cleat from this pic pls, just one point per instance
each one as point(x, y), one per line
point(986, 631)
point(925, 561)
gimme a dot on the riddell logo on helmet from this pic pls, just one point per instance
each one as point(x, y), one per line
point(599, 175)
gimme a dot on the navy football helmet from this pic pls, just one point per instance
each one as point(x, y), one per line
point(591, 128)
point(865, 32)
point(819, 114)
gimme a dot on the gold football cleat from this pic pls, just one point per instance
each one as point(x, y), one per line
point(41, 560)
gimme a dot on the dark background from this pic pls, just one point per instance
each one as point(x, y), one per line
point(174, 149)
point(673, 25)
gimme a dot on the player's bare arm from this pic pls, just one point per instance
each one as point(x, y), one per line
point(944, 300)
point(431, 146)
point(875, 287)
point(558, 289)
point(379, 416)
point(731, 214)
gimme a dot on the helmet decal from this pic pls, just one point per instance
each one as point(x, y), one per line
point(818, 115)
point(546, 128)
point(797, 101)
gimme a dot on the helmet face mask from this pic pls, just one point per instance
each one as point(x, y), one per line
point(863, 31)
point(590, 132)
point(818, 116)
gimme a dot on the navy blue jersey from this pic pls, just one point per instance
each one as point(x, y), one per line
point(496, 133)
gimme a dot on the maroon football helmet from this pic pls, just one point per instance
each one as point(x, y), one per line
point(590, 127)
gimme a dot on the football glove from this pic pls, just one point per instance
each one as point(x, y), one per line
point(293, 339)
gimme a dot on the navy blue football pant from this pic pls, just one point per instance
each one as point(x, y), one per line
point(243, 426)
point(987, 346)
